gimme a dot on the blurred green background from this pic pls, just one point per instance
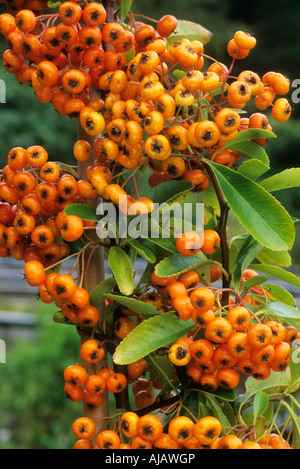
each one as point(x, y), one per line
point(33, 410)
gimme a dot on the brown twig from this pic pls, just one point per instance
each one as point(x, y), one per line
point(222, 231)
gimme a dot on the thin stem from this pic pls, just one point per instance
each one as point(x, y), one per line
point(222, 231)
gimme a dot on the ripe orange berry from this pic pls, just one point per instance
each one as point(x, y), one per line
point(91, 351)
point(211, 242)
point(108, 439)
point(218, 330)
point(166, 25)
point(202, 299)
point(207, 430)
point(137, 368)
point(116, 382)
point(149, 427)
point(259, 336)
point(281, 110)
point(244, 40)
point(35, 273)
point(84, 428)
point(75, 375)
point(179, 355)
point(188, 244)
point(181, 429)
point(129, 424)
point(228, 378)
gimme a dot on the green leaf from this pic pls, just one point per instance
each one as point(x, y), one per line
point(168, 191)
point(260, 404)
point(83, 211)
point(146, 310)
point(60, 318)
point(287, 179)
point(249, 134)
point(179, 74)
point(295, 421)
point(277, 272)
point(63, 166)
point(98, 295)
point(253, 169)
point(295, 371)
point(217, 411)
point(218, 90)
point(189, 30)
point(269, 257)
point(253, 282)
point(108, 318)
point(164, 243)
point(177, 265)
point(150, 335)
point(280, 310)
point(275, 382)
point(160, 368)
point(257, 210)
point(143, 251)
point(191, 406)
point(250, 149)
point(279, 293)
point(53, 4)
point(121, 268)
point(125, 7)
point(246, 255)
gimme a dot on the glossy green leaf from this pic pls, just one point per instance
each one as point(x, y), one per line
point(287, 179)
point(246, 255)
point(146, 310)
point(169, 191)
point(257, 210)
point(191, 405)
point(177, 265)
point(53, 4)
point(98, 295)
point(249, 134)
point(294, 367)
point(295, 422)
point(270, 385)
point(160, 368)
point(253, 169)
point(189, 30)
point(83, 211)
point(121, 267)
point(150, 335)
point(269, 257)
point(144, 251)
point(260, 404)
point(280, 310)
point(249, 149)
point(253, 282)
point(125, 7)
point(279, 293)
point(165, 244)
point(277, 272)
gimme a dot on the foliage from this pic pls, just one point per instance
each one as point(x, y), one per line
point(32, 386)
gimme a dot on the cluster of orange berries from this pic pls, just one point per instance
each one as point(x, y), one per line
point(148, 117)
point(34, 193)
point(89, 388)
point(182, 432)
point(35, 229)
point(230, 346)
